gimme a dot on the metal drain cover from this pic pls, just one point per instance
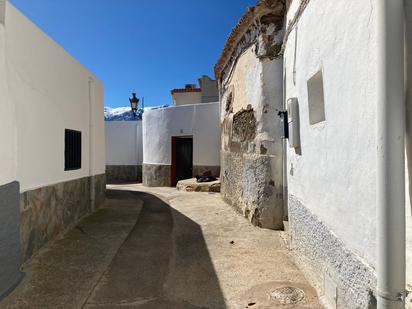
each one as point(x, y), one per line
point(288, 295)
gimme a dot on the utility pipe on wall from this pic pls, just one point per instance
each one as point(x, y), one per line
point(390, 155)
point(408, 90)
point(92, 178)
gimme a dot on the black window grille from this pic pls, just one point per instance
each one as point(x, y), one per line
point(72, 150)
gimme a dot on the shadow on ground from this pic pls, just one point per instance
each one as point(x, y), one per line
point(157, 268)
point(126, 255)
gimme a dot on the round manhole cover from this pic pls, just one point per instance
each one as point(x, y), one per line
point(287, 295)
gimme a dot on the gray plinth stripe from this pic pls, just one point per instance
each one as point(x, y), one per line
point(10, 256)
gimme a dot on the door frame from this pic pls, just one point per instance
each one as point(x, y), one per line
point(173, 167)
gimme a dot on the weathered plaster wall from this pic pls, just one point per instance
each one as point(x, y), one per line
point(251, 90)
point(51, 91)
point(159, 125)
point(124, 151)
point(210, 92)
point(334, 177)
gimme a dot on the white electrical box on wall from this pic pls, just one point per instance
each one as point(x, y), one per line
point(293, 123)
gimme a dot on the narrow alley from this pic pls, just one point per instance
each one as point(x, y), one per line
point(161, 248)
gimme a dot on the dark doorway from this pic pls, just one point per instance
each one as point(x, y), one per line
point(182, 158)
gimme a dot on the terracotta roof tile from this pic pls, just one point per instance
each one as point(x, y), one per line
point(182, 90)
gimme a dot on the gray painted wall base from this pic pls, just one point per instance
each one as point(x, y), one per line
point(329, 264)
point(10, 255)
point(123, 173)
point(48, 211)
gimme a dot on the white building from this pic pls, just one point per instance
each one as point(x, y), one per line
point(52, 159)
point(191, 94)
point(182, 141)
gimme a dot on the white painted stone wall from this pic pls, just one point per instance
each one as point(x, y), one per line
point(199, 120)
point(124, 145)
point(8, 149)
point(336, 173)
point(50, 92)
point(335, 177)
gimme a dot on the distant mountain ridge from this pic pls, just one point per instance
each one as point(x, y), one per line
point(124, 113)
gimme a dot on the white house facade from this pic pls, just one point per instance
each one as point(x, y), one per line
point(194, 128)
point(332, 180)
point(52, 158)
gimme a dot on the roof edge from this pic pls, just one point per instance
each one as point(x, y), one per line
point(262, 8)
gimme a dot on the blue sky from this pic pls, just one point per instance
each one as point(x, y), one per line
point(145, 46)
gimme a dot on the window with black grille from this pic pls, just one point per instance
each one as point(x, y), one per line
point(72, 150)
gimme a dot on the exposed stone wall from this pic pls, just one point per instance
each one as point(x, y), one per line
point(156, 175)
point(48, 211)
point(123, 173)
point(321, 254)
point(251, 90)
point(206, 170)
point(247, 184)
point(10, 256)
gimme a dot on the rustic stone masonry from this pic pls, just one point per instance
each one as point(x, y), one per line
point(250, 78)
point(49, 211)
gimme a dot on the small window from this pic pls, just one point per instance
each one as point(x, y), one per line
point(72, 150)
point(316, 99)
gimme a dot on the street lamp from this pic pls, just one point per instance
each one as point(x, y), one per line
point(134, 102)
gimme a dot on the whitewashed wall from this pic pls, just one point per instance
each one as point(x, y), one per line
point(199, 120)
point(336, 173)
point(124, 145)
point(51, 92)
point(8, 149)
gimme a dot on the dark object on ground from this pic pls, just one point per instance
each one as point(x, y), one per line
point(205, 178)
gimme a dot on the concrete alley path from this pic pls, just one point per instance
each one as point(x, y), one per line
point(161, 248)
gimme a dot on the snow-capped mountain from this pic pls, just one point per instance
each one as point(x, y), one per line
point(121, 114)
point(124, 113)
